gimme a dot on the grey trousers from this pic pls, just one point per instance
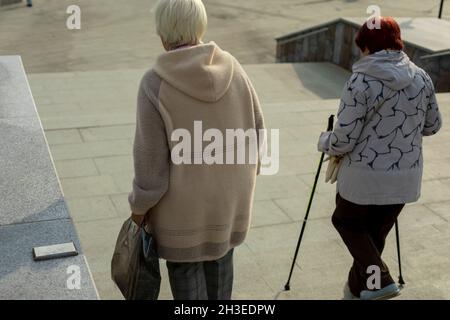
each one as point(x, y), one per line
point(208, 280)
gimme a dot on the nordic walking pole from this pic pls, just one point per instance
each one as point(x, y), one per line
point(287, 286)
point(397, 235)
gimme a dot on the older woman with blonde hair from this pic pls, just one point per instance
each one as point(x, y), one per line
point(197, 210)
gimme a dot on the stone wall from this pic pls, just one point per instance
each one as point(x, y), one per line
point(331, 42)
point(346, 53)
point(437, 65)
point(311, 45)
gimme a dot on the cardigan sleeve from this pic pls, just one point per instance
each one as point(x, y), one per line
point(151, 152)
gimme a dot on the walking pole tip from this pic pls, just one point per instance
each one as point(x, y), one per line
point(401, 281)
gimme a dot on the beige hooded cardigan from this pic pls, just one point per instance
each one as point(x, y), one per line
point(197, 212)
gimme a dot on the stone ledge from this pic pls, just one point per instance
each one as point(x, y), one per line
point(33, 211)
point(23, 278)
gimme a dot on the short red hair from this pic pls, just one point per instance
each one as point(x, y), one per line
point(388, 36)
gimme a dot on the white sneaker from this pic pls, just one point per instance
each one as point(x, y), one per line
point(385, 293)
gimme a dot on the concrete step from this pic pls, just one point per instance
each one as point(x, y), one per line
point(106, 98)
point(280, 82)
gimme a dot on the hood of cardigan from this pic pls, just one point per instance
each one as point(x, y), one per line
point(393, 68)
point(203, 72)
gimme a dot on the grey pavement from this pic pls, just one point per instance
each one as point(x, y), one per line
point(95, 166)
point(120, 34)
point(85, 86)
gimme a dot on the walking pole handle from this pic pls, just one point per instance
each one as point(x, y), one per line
point(330, 123)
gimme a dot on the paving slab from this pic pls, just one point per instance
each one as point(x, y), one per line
point(63, 136)
point(85, 150)
point(440, 208)
point(84, 187)
point(121, 204)
point(115, 164)
point(92, 208)
point(76, 168)
point(267, 212)
point(108, 133)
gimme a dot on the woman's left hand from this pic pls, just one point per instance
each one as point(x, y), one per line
point(138, 219)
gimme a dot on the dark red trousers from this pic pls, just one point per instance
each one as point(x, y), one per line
point(364, 229)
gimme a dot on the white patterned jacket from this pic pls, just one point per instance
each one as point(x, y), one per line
point(387, 106)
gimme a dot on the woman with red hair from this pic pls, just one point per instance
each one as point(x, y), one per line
point(386, 108)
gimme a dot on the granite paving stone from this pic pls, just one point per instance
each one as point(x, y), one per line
point(22, 278)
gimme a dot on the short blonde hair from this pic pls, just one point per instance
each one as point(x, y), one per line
point(180, 22)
